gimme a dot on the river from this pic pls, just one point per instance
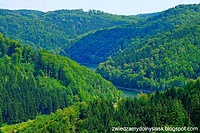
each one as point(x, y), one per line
point(126, 93)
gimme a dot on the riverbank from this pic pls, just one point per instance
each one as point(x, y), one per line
point(133, 89)
point(126, 91)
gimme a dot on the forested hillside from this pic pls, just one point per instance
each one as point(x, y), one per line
point(97, 47)
point(166, 60)
point(53, 29)
point(37, 82)
point(43, 92)
point(175, 107)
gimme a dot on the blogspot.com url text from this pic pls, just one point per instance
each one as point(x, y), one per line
point(155, 129)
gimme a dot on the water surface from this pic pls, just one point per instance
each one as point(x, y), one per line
point(126, 93)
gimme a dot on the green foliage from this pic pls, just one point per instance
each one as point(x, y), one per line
point(175, 107)
point(165, 60)
point(34, 83)
point(1, 118)
point(160, 52)
point(98, 46)
point(54, 29)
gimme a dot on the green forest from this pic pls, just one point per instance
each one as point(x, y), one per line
point(167, 60)
point(177, 107)
point(45, 89)
point(97, 47)
point(54, 29)
point(37, 82)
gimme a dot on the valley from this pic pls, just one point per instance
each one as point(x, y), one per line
point(141, 71)
point(126, 91)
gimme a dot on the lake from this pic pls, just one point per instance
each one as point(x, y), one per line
point(126, 93)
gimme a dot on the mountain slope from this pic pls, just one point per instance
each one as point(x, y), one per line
point(97, 47)
point(175, 107)
point(56, 28)
point(168, 59)
point(34, 83)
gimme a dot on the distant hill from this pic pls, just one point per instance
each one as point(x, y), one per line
point(98, 46)
point(154, 52)
point(165, 60)
point(53, 29)
point(147, 15)
point(37, 82)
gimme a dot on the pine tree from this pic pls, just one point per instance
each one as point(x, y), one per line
point(1, 119)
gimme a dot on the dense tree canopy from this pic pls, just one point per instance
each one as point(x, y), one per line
point(166, 60)
point(99, 46)
point(175, 107)
point(34, 82)
point(54, 29)
point(156, 52)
